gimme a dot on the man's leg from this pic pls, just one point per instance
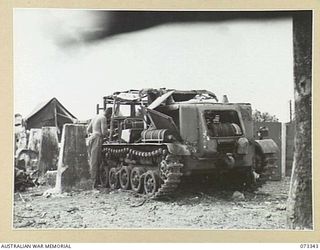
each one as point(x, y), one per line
point(95, 159)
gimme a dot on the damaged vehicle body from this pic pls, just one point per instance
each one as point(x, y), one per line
point(168, 134)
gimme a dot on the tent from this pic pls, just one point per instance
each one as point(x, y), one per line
point(50, 113)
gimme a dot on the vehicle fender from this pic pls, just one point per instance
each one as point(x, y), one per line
point(178, 149)
point(267, 146)
point(29, 152)
point(26, 151)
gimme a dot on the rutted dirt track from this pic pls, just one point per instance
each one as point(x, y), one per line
point(191, 208)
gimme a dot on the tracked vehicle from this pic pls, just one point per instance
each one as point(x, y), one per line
point(158, 136)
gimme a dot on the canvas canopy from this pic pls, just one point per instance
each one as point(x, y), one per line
point(50, 113)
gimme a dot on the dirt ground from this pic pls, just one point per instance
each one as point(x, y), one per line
point(191, 208)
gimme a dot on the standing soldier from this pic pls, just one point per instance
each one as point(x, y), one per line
point(97, 129)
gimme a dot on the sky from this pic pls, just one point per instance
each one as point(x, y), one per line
point(248, 60)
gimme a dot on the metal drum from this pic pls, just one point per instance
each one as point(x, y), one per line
point(155, 135)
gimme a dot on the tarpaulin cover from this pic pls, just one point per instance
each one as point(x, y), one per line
point(51, 113)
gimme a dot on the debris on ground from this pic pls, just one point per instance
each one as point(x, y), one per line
point(238, 196)
point(281, 207)
point(72, 209)
point(210, 208)
point(23, 179)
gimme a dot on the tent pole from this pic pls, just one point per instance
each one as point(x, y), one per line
point(55, 117)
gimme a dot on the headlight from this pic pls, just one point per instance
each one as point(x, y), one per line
point(243, 146)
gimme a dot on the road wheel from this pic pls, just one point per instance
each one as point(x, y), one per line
point(151, 183)
point(136, 179)
point(113, 179)
point(124, 177)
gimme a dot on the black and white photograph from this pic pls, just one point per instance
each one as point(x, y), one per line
point(162, 119)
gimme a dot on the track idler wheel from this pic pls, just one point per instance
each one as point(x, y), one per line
point(136, 179)
point(124, 177)
point(113, 179)
point(151, 182)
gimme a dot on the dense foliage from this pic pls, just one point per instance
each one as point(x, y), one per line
point(259, 116)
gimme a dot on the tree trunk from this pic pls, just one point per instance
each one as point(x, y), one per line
point(300, 194)
point(35, 139)
point(49, 150)
point(73, 167)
